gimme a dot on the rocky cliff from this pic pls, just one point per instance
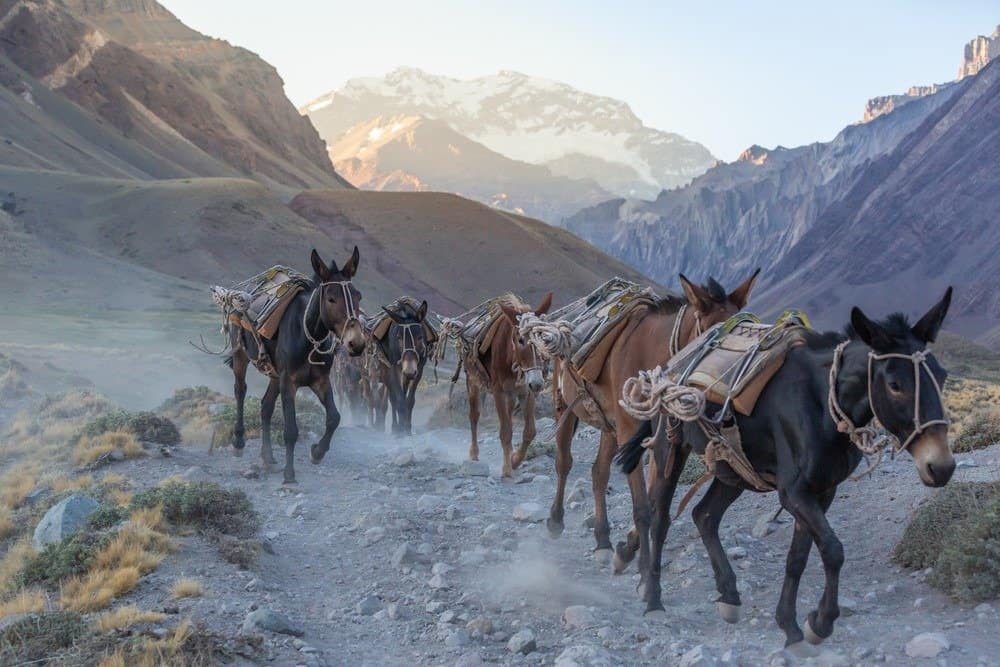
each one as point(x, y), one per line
point(979, 52)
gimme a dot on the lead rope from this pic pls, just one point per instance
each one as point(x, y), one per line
point(352, 315)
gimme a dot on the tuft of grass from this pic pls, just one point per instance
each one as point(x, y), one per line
point(186, 588)
point(979, 430)
point(135, 550)
point(64, 483)
point(958, 534)
point(242, 553)
point(44, 431)
point(6, 524)
point(13, 563)
point(15, 484)
point(126, 617)
point(25, 602)
point(58, 562)
point(89, 450)
point(39, 637)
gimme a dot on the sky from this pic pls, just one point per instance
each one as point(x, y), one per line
point(726, 74)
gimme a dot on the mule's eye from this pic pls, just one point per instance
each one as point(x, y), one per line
point(520, 341)
point(330, 299)
point(895, 386)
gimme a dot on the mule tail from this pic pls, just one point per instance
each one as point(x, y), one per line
point(228, 360)
point(454, 379)
point(630, 454)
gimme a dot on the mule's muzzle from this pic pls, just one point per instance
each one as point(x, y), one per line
point(534, 380)
point(409, 365)
point(933, 456)
point(354, 340)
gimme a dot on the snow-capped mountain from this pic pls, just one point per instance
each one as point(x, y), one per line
point(525, 118)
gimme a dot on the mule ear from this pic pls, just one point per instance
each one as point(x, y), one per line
point(739, 296)
point(930, 324)
point(869, 332)
point(351, 266)
point(422, 311)
point(510, 313)
point(393, 315)
point(544, 306)
point(319, 266)
point(696, 295)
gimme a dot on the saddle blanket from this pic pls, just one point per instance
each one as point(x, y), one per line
point(258, 303)
point(378, 325)
point(599, 318)
point(736, 359)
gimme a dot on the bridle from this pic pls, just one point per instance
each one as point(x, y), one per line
point(872, 438)
point(675, 334)
point(408, 340)
point(536, 365)
point(352, 316)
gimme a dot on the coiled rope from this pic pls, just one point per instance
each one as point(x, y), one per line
point(551, 339)
point(651, 392)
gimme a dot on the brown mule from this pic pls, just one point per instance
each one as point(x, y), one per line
point(649, 338)
point(507, 362)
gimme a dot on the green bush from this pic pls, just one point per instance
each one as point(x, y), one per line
point(58, 562)
point(203, 505)
point(145, 426)
point(237, 551)
point(981, 429)
point(969, 565)
point(958, 534)
point(37, 637)
point(107, 516)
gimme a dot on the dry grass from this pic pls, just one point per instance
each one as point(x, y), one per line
point(89, 449)
point(12, 563)
point(65, 483)
point(25, 602)
point(17, 483)
point(186, 588)
point(44, 431)
point(126, 617)
point(171, 650)
point(137, 549)
point(6, 525)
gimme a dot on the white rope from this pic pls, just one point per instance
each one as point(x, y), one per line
point(675, 333)
point(352, 315)
point(652, 392)
point(551, 339)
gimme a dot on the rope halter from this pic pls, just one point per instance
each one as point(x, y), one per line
point(872, 438)
point(352, 316)
point(408, 340)
point(550, 339)
point(675, 334)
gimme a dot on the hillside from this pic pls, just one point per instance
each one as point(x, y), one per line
point(576, 134)
point(412, 153)
point(148, 92)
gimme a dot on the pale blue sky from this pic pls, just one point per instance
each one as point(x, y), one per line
point(727, 74)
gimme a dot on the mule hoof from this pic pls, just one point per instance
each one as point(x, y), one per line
point(620, 564)
point(640, 590)
point(656, 615)
point(314, 457)
point(811, 636)
point(730, 613)
point(237, 452)
point(801, 649)
point(555, 527)
point(289, 481)
point(603, 557)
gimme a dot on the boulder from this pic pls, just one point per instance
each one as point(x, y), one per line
point(585, 655)
point(522, 642)
point(266, 619)
point(63, 520)
point(927, 645)
point(529, 512)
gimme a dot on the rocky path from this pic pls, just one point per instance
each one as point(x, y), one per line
point(398, 553)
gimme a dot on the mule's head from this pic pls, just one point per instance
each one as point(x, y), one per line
point(905, 381)
point(339, 301)
point(525, 356)
point(710, 304)
point(411, 336)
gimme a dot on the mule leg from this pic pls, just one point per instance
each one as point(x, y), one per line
point(472, 389)
point(641, 515)
point(707, 515)
point(505, 415)
point(600, 473)
point(795, 565)
point(626, 550)
point(410, 394)
point(529, 433)
point(291, 428)
point(662, 489)
point(266, 412)
point(810, 510)
point(564, 463)
point(324, 392)
point(240, 363)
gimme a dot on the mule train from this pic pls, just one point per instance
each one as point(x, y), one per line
point(777, 407)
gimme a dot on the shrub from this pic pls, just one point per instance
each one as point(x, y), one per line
point(979, 430)
point(145, 426)
point(933, 524)
point(242, 553)
point(90, 450)
point(203, 505)
point(107, 516)
point(58, 562)
point(37, 637)
point(969, 565)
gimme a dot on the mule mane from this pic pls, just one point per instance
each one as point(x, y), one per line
point(513, 301)
point(406, 311)
point(669, 303)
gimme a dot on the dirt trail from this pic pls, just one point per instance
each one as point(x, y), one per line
point(471, 567)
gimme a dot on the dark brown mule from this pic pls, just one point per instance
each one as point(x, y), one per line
point(645, 342)
point(508, 361)
point(301, 352)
